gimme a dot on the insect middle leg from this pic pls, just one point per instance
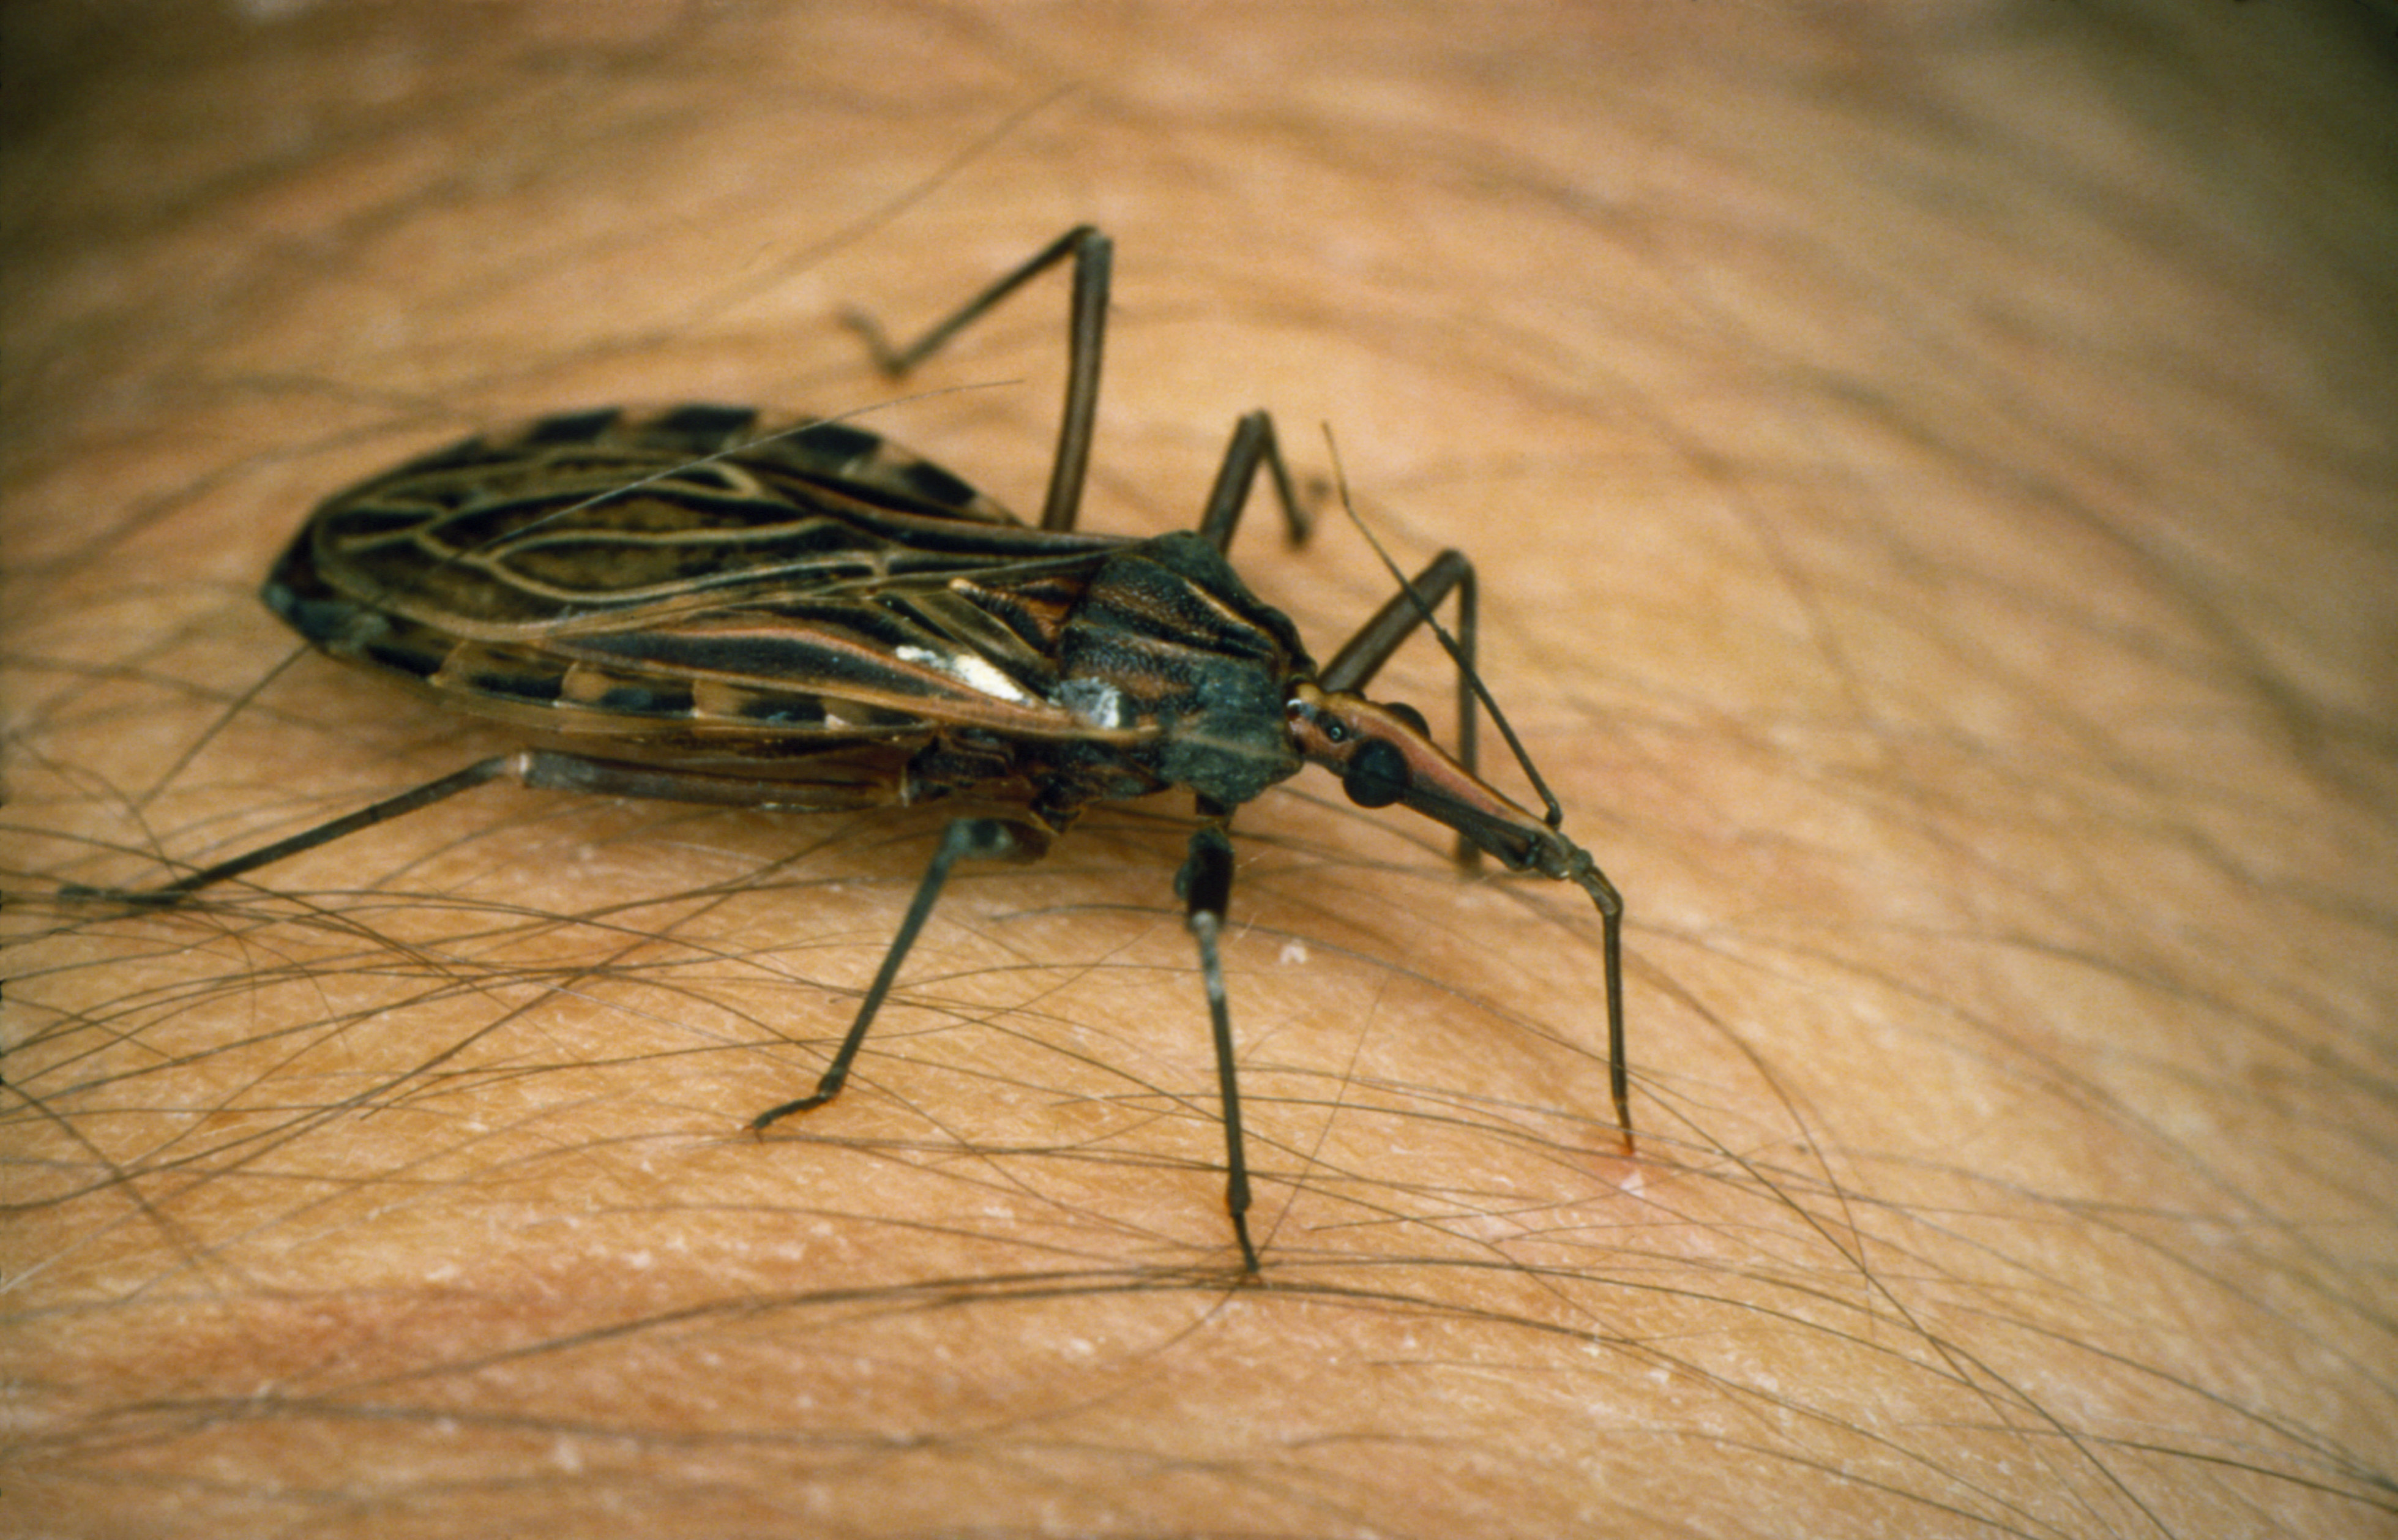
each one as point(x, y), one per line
point(979, 838)
point(1205, 885)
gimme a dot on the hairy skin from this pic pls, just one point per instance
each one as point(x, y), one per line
point(1931, 480)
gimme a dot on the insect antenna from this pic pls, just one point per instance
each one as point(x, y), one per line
point(1555, 815)
point(1574, 864)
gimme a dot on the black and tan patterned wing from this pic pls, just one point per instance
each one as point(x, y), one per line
point(692, 575)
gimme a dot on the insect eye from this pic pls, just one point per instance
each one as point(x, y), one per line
point(1376, 774)
point(1409, 715)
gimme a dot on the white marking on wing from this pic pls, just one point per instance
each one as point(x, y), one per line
point(973, 672)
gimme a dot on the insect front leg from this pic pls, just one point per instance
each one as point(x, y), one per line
point(1523, 844)
point(1205, 884)
point(1094, 256)
point(980, 839)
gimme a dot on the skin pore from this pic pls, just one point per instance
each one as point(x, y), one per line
point(1928, 472)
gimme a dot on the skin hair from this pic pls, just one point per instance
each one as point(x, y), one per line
point(1929, 469)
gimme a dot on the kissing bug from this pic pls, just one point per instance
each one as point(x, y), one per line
point(806, 617)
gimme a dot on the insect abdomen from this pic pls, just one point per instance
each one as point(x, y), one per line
point(545, 689)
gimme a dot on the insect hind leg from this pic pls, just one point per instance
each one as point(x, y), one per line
point(536, 769)
point(978, 839)
point(498, 766)
point(1094, 256)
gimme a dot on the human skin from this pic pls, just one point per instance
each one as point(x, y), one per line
point(1930, 475)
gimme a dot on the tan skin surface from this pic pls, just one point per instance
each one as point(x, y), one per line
point(1930, 483)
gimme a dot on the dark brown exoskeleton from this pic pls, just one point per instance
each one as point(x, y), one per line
point(702, 609)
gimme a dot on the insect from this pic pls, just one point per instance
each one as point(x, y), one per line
point(700, 606)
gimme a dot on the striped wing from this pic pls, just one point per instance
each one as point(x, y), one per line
point(685, 575)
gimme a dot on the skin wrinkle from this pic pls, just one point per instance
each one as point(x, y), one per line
point(1928, 473)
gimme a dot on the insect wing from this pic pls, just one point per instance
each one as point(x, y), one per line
point(683, 575)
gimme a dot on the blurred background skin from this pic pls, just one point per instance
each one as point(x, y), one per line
point(1932, 472)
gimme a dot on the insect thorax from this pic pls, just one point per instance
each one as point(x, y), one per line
point(1168, 637)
